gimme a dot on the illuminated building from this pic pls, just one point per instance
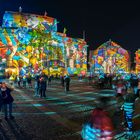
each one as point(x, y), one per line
point(137, 61)
point(109, 58)
point(32, 41)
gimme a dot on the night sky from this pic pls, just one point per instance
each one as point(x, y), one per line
point(102, 20)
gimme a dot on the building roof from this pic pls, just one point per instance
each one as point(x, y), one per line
point(19, 19)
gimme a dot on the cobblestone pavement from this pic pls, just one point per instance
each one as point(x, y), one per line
point(59, 116)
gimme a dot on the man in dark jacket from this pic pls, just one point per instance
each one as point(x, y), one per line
point(67, 82)
point(43, 86)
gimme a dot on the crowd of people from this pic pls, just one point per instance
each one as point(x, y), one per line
point(101, 124)
point(39, 83)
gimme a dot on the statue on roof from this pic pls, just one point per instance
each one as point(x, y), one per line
point(20, 9)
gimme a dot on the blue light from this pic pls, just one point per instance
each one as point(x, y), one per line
point(50, 113)
point(37, 105)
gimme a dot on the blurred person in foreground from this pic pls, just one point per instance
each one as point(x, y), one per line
point(100, 125)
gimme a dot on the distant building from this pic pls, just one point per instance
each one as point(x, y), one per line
point(109, 58)
point(137, 61)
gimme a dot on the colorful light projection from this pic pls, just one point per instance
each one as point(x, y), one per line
point(137, 60)
point(76, 56)
point(32, 49)
point(32, 21)
point(110, 58)
point(14, 45)
point(26, 46)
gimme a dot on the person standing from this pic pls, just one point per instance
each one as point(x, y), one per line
point(43, 86)
point(7, 100)
point(36, 87)
point(128, 108)
point(67, 82)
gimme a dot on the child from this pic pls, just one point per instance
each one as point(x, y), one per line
point(128, 107)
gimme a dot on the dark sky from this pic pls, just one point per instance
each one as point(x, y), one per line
point(102, 20)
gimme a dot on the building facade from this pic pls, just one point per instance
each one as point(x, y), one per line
point(29, 40)
point(109, 58)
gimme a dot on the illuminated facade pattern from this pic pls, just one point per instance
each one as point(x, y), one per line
point(32, 21)
point(109, 58)
point(76, 55)
point(28, 40)
point(137, 61)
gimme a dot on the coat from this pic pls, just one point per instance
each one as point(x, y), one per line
point(6, 96)
point(100, 119)
point(43, 84)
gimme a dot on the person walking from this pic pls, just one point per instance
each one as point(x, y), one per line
point(62, 80)
point(29, 80)
point(100, 126)
point(120, 87)
point(18, 81)
point(49, 80)
point(138, 90)
point(134, 83)
point(24, 81)
point(7, 100)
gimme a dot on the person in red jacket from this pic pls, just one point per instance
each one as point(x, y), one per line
point(100, 125)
